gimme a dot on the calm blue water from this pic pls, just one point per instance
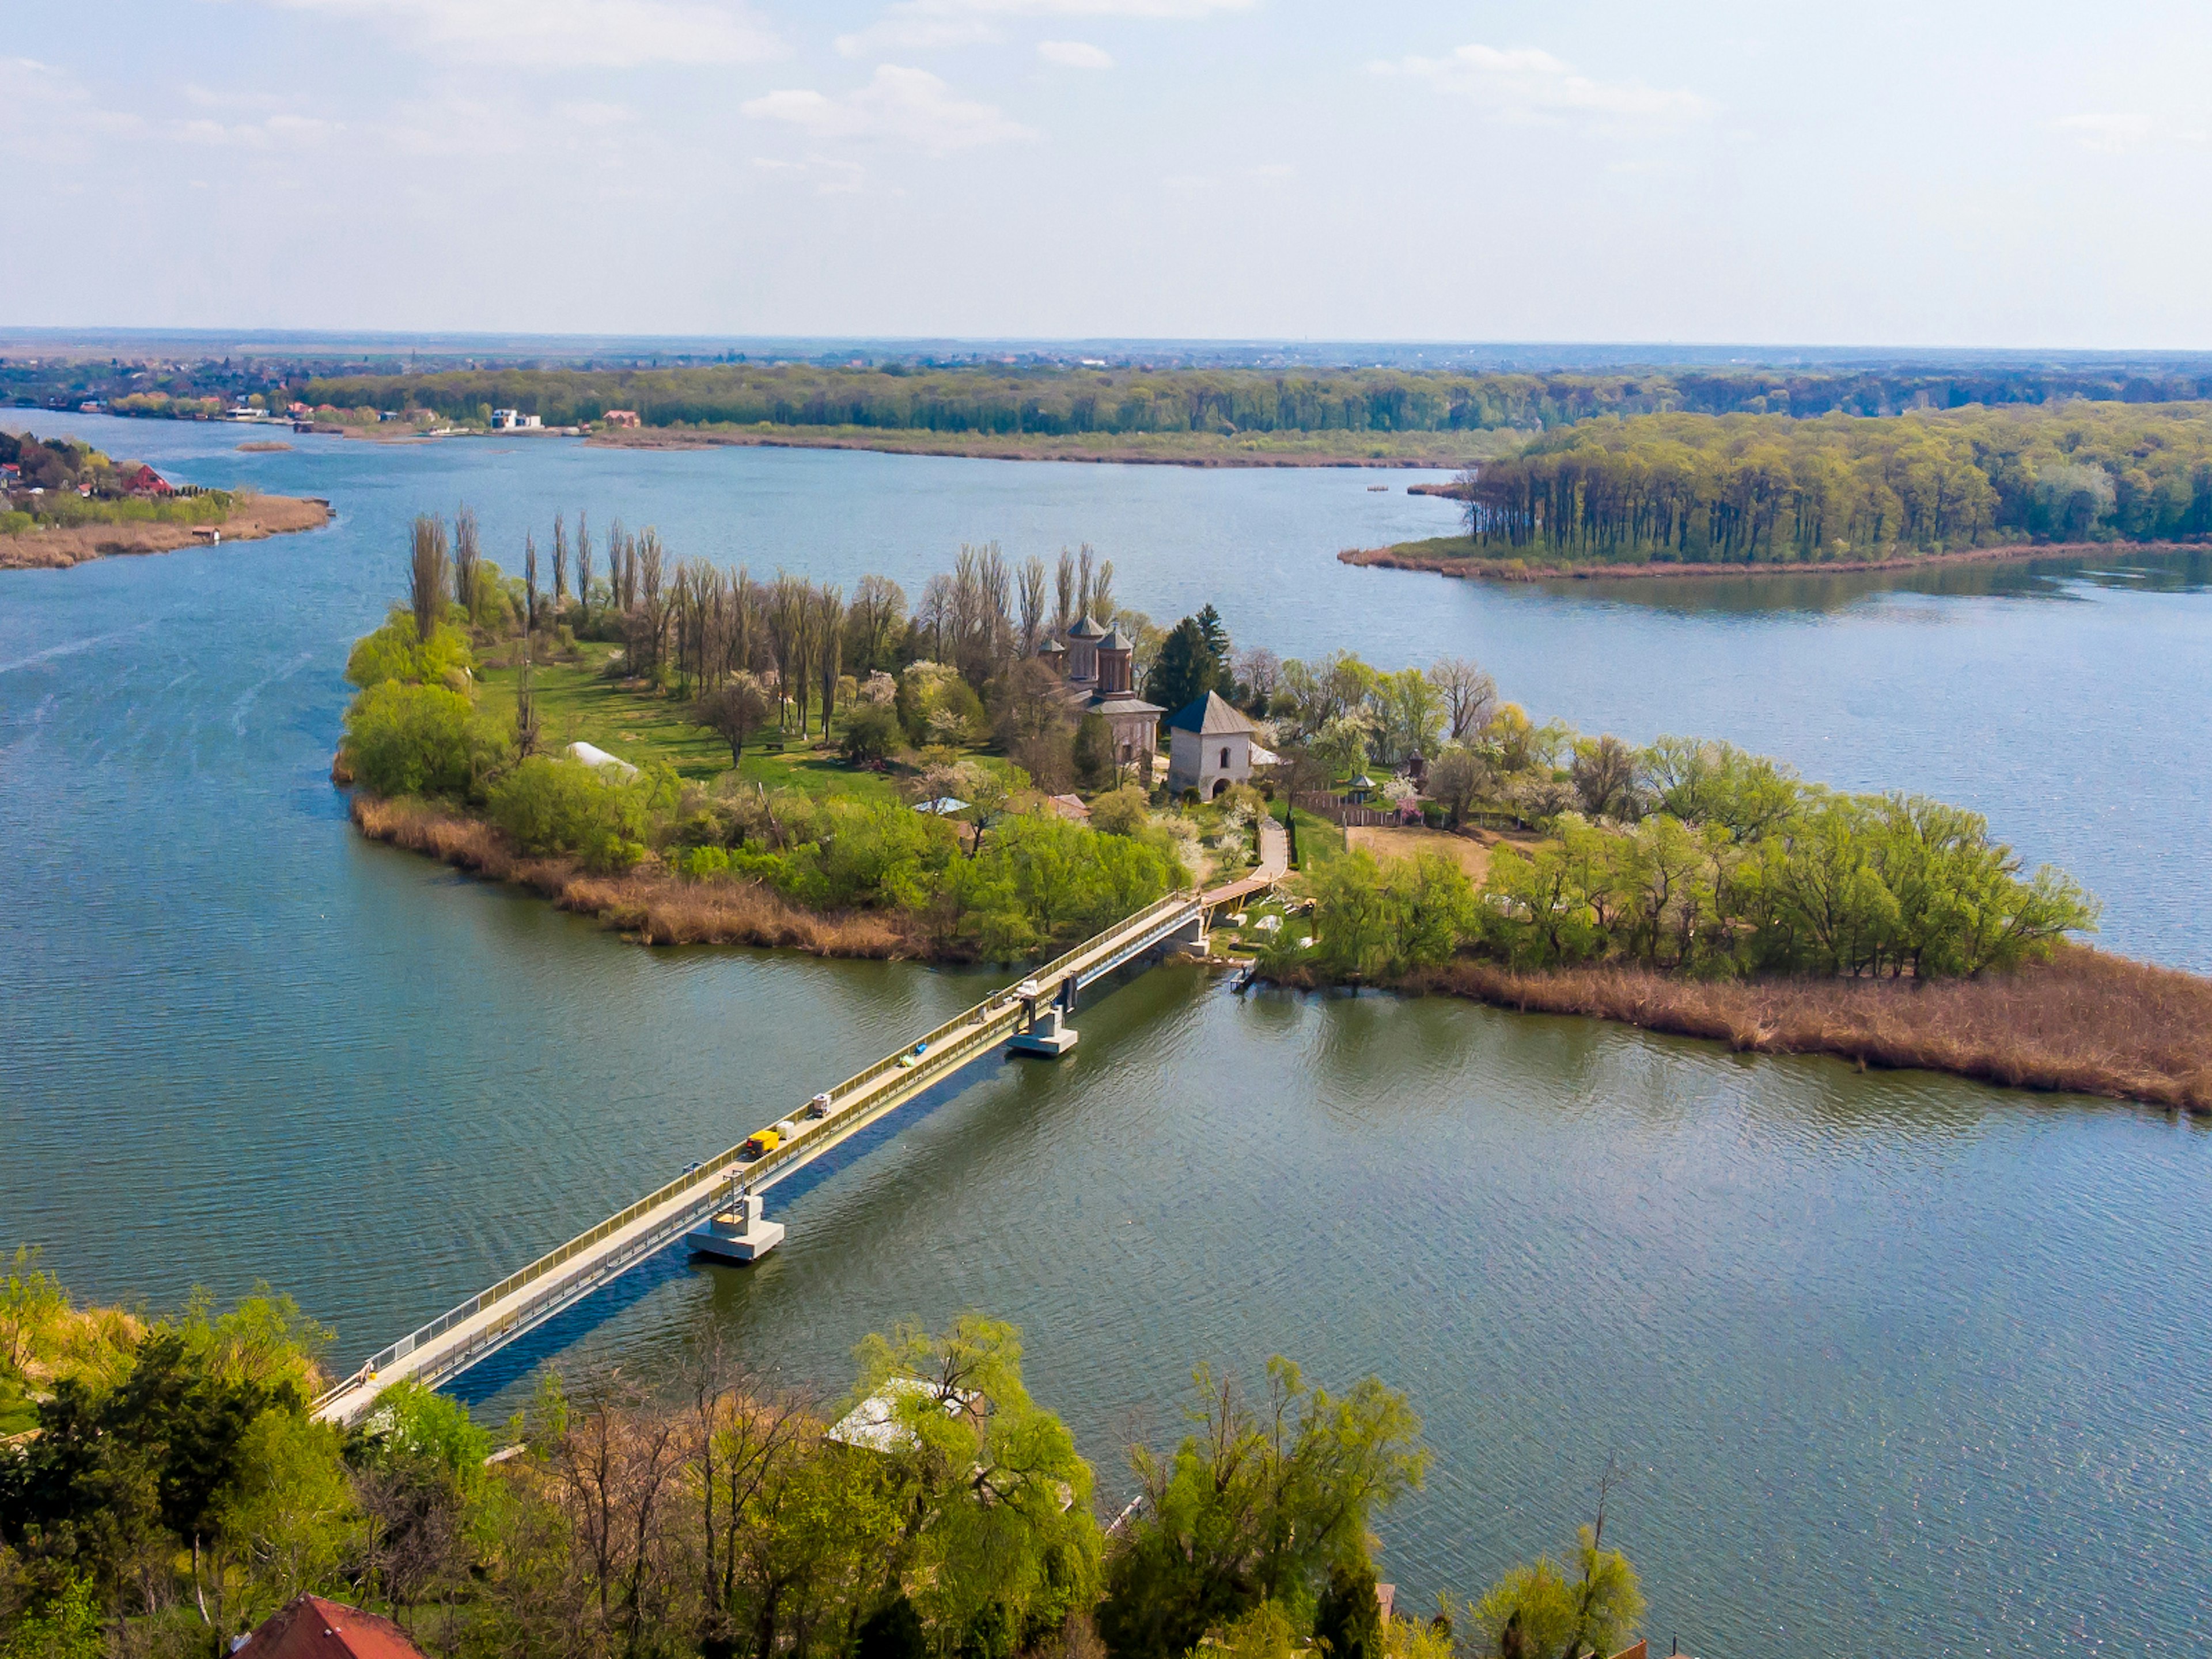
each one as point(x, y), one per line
point(1901, 1364)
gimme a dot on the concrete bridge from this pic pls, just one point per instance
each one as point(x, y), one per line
point(721, 1198)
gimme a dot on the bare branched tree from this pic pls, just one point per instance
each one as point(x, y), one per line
point(467, 556)
point(829, 631)
point(1033, 595)
point(426, 575)
point(584, 566)
point(1470, 695)
point(1063, 616)
point(876, 619)
point(529, 584)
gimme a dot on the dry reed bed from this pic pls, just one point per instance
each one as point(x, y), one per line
point(2085, 1023)
point(1510, 569)
point(254, 519)
point(651, 907)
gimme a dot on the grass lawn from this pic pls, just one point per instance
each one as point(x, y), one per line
point(577, 704)
point(1319, 840)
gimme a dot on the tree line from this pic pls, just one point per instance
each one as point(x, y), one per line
point(1052, 401)
point(1749, 488)
point(173, 1490)
point(1690, 857)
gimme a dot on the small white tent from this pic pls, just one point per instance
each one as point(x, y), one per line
point(599, 761)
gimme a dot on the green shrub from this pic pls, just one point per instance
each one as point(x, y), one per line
point(1383, 918)
point(404, 739)
point(702, 863)
point(873, 734)
point(563, 806)
point(395, 652)
point(1043, 879)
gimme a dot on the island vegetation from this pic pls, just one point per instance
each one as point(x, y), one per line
point(769, 762)
point(62, 502)
point(164, 1487)
point(1664, 493)
point(697, 756)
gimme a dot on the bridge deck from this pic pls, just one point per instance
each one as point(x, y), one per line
point(457, 1339)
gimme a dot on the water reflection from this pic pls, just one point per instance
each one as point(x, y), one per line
point(2121, 567)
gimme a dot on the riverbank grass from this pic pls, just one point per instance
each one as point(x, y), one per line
point(577, 702)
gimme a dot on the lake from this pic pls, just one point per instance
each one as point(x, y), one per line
point(1897, 1364)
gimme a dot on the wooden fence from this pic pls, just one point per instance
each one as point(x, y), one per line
point(1342, 810)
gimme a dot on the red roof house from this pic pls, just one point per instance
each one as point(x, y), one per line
point(309, 1627)
point(147, 481)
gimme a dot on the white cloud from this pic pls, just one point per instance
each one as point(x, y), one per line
point(278, 131)
point(45, 111)
point(1525, 84)
point(914, 32)
point(928, 25)
point(829, 176)
point(906, 106)
point(2116, 134)
point(596, 112)
point(1136, 9)
point(560, 34)
point(1073, 54)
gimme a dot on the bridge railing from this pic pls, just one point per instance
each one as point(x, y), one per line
point(710, 1172)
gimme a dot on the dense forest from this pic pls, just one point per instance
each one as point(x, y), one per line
point(1056, 402)
point(1749, 488)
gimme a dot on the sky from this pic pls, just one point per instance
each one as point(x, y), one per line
point(1945, 172)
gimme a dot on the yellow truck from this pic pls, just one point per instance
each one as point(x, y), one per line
point(761, 1144)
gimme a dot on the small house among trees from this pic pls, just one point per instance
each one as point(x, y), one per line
point(310, 1627)
point(147, 481)
point(1209, 747)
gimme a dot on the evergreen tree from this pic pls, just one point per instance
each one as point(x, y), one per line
point(1217, 644)
point(1185, 669)
point(1094, 752)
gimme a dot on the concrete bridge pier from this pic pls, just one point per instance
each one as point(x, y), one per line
point(741, 1233)
point(1045, 1032)
point(1191, 936)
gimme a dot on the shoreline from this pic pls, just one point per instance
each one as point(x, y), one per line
point(1173, 449)
point(2085, 1023)
point(65, 547)
point(1406, 555)
point(649, 908)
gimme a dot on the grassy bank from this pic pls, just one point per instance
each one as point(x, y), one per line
point(649, 906)
point(1326, 448)
point(2083, 1023)
point(1460, 555)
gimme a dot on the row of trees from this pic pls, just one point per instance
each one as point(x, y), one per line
point(1055, 401)
point(1745, 489)
point(176, 1491)
point(1695, 857)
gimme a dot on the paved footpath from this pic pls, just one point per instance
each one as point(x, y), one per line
point(1274, 865)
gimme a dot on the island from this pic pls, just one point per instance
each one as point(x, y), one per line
point(1690, 494)
point(1018, 762)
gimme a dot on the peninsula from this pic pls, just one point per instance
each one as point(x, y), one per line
point(1019, 760)
point(65, 504)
